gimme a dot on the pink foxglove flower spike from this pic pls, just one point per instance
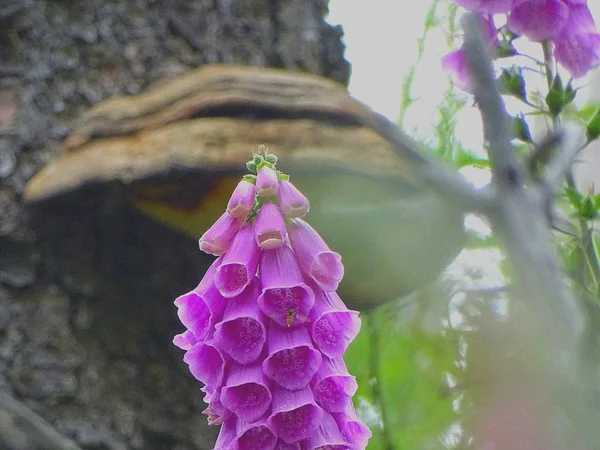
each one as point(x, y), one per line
point(265, 329)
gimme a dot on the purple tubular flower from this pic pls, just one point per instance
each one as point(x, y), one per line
point(270, 227)
point(227, 434)
point(292, 359)
point(334, 325)
point(295, 414)
point(577, 48)
point(267, 183)
point(200, 309)
point(246, 392)
point(242, 200)
point(352, 428)
point(185, 340)
point(333, 387)
point(327, 436)
point(256, 436)
point(455, 65)
point(242, 334)
point(488, 6)
point(455, 62)
point(538, 20)
point(206, 363)
point(216, 412)
point(292, 202)
point(314, 256)
point(239, 264)
point(285, 297)
point(218, 237)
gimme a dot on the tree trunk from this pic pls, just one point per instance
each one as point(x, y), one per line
point(87, 289)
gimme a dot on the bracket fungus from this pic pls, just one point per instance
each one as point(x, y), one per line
point(176, 151)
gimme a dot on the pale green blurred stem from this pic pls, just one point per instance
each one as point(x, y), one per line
point(590, 256)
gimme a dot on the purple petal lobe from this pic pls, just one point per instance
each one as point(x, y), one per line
point(185, 340)
point(266, 182)
point(291, 201)
point(239, 264)
point(578, 53)
point(352, 428)
point(316, 259)
point(246, 392)
point(282, 445)
point(216, 412)
point(218, 237)
point(199, 312)
point(295, 414)
point(270, 227)
point(256, 436)
point(334, 326)
point(488, 6)
point(241, 333)
point(227, 434)
point(333, 387)
point(455, 65)
point(284, 294)
point(242, 199)
point(292, 360)
point(327, 436)
point(538, 20)
point(206, 363)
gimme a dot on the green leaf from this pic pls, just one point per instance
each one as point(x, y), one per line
point(251, 167)
point(587, 209)
point(574, 197)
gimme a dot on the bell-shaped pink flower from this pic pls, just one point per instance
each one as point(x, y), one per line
point(206, 363)
point(455, 65)
point(292, 202)
point(216, 412)
point(292, 360)
point(242, 334)
point(538, 20)
point(327, 436)
point(487, 6)
point(455, 62)
point(255, 436)
point(270, 227)
point(578, 53)
point(333, 325)
point(185, 340)
point(226, 434)
point(267, 183)
point(199, 310)
point(577, 48)
point(239, 264)
point(242, 200)
point(352, 428)
point(246, 392)
point(332, 385)
point(285, 297)
point(218, 237)
point(295, 415)
point(314, 256)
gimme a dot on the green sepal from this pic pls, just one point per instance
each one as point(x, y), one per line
point(558, 97)
point(520, 128)
point(252, 167)
point(588, 210)
point(271, 158)
point(592, 130)
point(574, 197)
point(249, 178)
point(511, 82)
point(258, 159)
point(283, 176)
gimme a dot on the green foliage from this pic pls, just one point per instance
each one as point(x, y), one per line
point(401, 370)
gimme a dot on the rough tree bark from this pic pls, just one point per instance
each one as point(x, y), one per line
point(86, 314)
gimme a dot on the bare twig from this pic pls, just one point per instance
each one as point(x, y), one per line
point(21, 428)
point(520, 218)
point(448, 183)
